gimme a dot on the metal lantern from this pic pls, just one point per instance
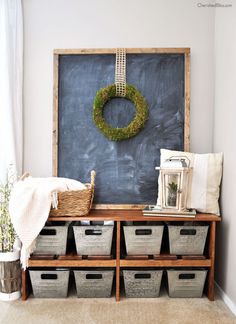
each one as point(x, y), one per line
point(174, 174)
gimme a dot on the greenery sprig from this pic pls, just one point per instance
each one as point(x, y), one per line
point(141, 116)
point(7, 232)
point(173, 187)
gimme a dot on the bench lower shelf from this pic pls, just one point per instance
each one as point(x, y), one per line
point(123, 263)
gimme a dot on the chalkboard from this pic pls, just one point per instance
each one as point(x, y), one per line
point(125, 169)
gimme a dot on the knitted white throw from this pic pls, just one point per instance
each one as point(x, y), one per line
point(29, 208)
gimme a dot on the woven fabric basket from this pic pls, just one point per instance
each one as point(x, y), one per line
point(75, 202)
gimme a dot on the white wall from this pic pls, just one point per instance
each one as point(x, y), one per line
point(224, 140)
point(111, 23)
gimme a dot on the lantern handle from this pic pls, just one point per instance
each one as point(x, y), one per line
point(183, 157)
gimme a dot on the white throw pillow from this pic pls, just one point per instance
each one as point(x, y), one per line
point(204, 184)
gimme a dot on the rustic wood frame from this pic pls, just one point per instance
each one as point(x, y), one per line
point(56, 55)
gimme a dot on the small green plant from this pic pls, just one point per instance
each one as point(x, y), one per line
point(7, 233)
point(173, 187)
point(172, 193)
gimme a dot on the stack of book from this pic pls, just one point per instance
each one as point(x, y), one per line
point(154, 210)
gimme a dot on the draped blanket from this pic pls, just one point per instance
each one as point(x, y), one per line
point(29, 207)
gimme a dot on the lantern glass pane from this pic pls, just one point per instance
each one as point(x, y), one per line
point(184, 190)
point(171, 186)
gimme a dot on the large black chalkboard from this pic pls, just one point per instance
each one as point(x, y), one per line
point(126, 169)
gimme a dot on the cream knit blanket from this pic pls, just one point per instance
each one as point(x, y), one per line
point(29, 208)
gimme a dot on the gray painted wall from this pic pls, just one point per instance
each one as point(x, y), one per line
point(224, 140)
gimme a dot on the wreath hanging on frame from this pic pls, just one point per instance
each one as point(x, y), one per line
point(127, 91)
point(117, 134)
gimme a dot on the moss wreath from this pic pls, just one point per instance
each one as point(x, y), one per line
point(117, 134)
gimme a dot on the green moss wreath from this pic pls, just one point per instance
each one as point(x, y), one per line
point(118, 134)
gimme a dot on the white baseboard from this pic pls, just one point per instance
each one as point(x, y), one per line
point(226, 299)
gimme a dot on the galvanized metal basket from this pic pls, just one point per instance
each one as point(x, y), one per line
point(52, 240)
point(187, 239)
point(186, 282)
point(93, 240)
point(143, 239)
point(94, 284)
point(142, 283)
point(50, 283)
